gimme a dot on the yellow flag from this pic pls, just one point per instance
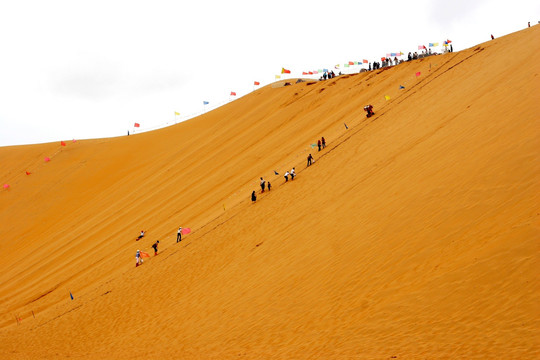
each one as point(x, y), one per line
point(176, 113)
point(278, 76)
point(387, 97)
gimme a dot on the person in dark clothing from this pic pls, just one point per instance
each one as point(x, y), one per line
point(286, 176)
point(179, 235)
point(323, 142)
point(369, 67)
point(319, 144)
point(155, 246)
point(141, 235)
point(269, 186)
point(292, 173)
point(492, 37)
point(451, 48)
point(309, 159)
point(263, 183)
point(253, 196)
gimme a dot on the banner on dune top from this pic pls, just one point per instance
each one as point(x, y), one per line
point(205, 102)
point(365, 61)
point(176, 113)
point(137, 125)
point(256, 83)
point(285, 71)
point(351, 62)
point(433, 44)
point(185, 231)
point(233, 93)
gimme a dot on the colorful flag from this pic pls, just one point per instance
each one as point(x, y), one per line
point(6, 186)
point(383, 58)
point(285, 71)
point(233, 93)
point(351, 62)
point(137, 125)
point(28, 173)
point(448, 41)
point(304, 73)
point(62, 143)
point(401, 87)
point(185, 231)
point(310, 73)
point(421, 47)
point(278, 76)
point(144, 254)
point(418, 74)
point(346, 65)
point(365, 61)
point(388, 55)
point(387, 97)
point(337, 66)
point(433, 44)
point(320, 70)
point(176, 113)
point(325, 70)
point(256, 83)
point(205, 102)
point(71, 295)
point(47, 159)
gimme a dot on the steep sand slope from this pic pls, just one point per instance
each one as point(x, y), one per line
point(414, 234)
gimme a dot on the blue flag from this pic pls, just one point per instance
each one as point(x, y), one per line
point(70, 294)
point(205, 102)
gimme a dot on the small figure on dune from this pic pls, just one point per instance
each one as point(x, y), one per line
point(179, 235)
point(253, 196)
point(269, 186)
point(293, 174)
point(492, 37)
point(141, 235)
point(323, 142)
point(286, 176)
point(155, 246)
point(138, 258)
point(263, 183)
point(319, 144)
point(309, 160)
point(369, 110)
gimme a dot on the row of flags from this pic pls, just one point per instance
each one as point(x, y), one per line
point(423, 47)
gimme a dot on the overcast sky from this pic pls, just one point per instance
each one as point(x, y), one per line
point(90, 69)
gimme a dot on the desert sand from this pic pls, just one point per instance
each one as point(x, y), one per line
point(414, 234)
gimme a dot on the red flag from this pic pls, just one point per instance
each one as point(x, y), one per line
point(137, 125)
point(28, 173)
point(144, 254)
point(47, 159)
point(310, 73)
point(448, 41)
point(285, 71)
point(383, 58)
point(365, 61)
point(418, 74)
point(304, 73)
point(233, 93)
point(62, 143)
point(351, 62)
point(256, 83)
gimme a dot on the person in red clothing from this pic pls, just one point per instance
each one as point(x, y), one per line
point(319, 144)
point(155, 246)
point(323, 142)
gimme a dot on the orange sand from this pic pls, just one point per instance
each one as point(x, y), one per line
point(414, 235)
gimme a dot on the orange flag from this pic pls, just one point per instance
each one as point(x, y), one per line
point(28, 173)
point(144, 254)
point(285, 71)
point(256, 83)
point(62, 143)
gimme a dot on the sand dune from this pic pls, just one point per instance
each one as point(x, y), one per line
point(415, 234)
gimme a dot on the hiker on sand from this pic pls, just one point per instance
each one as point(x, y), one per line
point(293, 174)
point(263, 183)
point(319, 144)
point(253, 196)
point(138, 258)
point(155, 246)
point(179, 235)
point(141, 235)
point(309, 159)
point(286, 176)
point(323, 142)
point(269, 186)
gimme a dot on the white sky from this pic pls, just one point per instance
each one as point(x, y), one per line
point(89, 69)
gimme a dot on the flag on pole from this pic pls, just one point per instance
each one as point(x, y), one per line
point(448, 41)
point(256, 83)
point(62, 143)
point(233, 93)
point(387, 97)
point(346, 65)
point(304, 73)
point(137, 125)
point(418, 74)
point(278, 76)
point(205, 102)
point(433, 44)
point(421, 47)
point(351, 62)
point(365, 61)
point(285, 71)
point(176, 113)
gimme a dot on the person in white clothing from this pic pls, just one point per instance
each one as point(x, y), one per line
point(179, 235)
point(293, 174)
point(286, 176)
